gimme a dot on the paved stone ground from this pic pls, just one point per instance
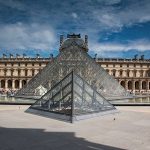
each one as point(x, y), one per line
point(129, 129)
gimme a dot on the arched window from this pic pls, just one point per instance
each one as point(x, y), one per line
point(144, 85)
point(130, 85)
point(114, 72)
point(2, 83)
point(122, 83)
point(9, 84)
point(24, 83)
point(16, 84)
point(137, 85)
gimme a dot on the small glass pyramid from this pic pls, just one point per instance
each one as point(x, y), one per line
point(72, 99)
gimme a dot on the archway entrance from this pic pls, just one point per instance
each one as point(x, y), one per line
point(16, 84)
point(130, 85)
point(9, 84)
point(144, 85)
point(24, 83)
point(122, 83)
point(137, 85)
point(2, 83)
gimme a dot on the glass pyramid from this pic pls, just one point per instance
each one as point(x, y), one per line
point(72, 99)
point(73, 56)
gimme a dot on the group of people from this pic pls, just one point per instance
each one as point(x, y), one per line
point(8, 92)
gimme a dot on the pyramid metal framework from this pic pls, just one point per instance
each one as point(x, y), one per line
point(73, 56)
point(72, 99)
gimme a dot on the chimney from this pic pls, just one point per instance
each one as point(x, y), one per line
point(4, 55)
point(37, 55)
point(86, 40)
point(61, 39)
point(135, 56)
point(11, 55)
point(24, 55)
point(142, 57)
point(17, 55)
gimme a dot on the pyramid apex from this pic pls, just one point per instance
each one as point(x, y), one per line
point(73, 40)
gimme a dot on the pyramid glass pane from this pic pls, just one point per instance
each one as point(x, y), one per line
point(58, 99)
point(69, 98)
point(87, 100)
point(73, 57)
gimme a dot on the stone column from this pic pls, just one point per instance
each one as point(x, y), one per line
point(140, 85)
point(133, 86)
point(36, 71)
point(110, 72)
point(117, 73)
point(147, 85)
point(6, 84)
point(126, 84)
point(20, 84)
point(138, 73)
point(131, 73)
point(13, 84)
point(0, 83)
point(28, 80)
point(144, 73)
point(124, 73)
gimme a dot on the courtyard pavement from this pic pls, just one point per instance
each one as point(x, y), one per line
point(128, 129)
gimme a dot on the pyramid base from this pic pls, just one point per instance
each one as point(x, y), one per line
point(48, 114)
point(68, 118)
point(92, 115)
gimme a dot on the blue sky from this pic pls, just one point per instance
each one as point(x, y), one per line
point(116, 28)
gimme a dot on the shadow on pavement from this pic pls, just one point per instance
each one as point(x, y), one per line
point(38, 139)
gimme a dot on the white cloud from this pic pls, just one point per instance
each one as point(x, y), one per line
point(13, 4)
point(98, 14)
point(21, 36)
point(74, 15)
point(140, 45)
point(110, 17)
point(88, 17)
point(111, 2)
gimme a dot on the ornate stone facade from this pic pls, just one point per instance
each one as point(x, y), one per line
point(133, 74)
point(16, 72)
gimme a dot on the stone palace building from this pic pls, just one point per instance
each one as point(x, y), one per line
point(132, 74)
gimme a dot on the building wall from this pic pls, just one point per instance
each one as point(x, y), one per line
point(16, 72)
point(133, 74)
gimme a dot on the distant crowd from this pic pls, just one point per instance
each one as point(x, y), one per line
point(8, 92)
